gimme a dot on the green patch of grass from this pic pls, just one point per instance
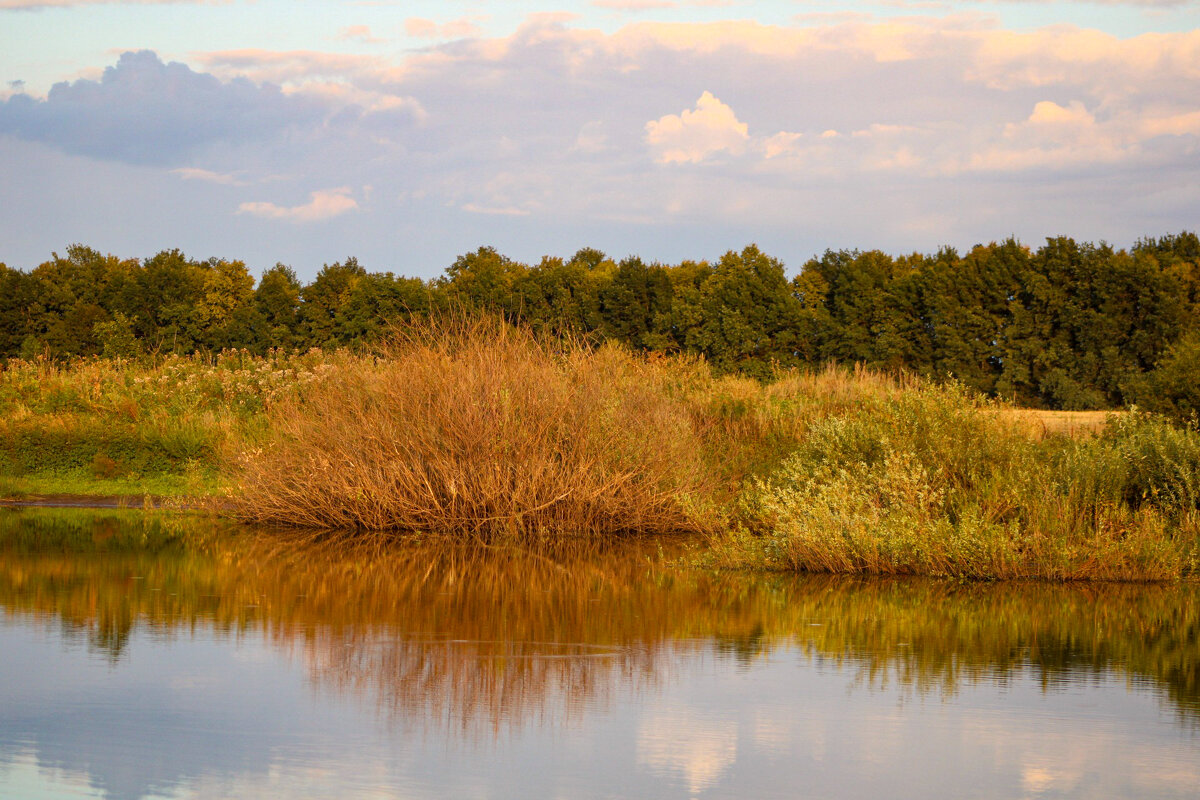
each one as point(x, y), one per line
point(193, 483)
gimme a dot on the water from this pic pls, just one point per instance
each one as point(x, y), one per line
point(149, 656)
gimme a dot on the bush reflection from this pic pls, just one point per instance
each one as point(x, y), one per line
point(484, 639)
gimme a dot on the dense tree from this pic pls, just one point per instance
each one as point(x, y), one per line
point(635, 305)
point(324, 298)
point(16, 299)
point(748, 316)
point(1068, 325)
point(484, 280)
point(375, 303)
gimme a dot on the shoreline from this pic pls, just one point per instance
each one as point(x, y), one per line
point(707, 558)
point(487, 433)
point(105, 502)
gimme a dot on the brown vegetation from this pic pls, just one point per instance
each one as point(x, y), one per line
point(477, 429)
point(1040, 423)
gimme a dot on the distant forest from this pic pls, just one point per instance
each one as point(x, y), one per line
point(1068, 325)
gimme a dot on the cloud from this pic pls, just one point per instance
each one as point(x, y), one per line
point(591, 138)
point(207, 176)
point(322, 205)
point(503, 211)
point(693, 136)
point(891, 126)
point(143, 111)
point(780, 144)
point(1134, 3)
point(358, 33)
point(421, 28)
point(290, 66)
point(634, 5)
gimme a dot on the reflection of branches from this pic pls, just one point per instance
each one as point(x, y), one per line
point(484, 639)
point(939, 635)
point(474, 688)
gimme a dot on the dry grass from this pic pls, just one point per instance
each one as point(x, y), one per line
point(1040, 423)
point(478, 429)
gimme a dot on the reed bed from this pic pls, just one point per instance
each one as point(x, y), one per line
point(478, 429)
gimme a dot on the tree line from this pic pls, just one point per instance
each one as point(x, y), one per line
point(1069, 325)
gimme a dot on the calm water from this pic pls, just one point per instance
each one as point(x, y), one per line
point(157, 657)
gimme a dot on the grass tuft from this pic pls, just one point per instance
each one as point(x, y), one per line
point(479, 429)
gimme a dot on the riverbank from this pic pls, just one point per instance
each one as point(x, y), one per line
point(487, 433)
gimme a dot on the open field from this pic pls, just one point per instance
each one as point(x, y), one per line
point(490, 433)
point(1040, 423)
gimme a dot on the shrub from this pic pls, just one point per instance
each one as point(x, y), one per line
point(480, 430)
point(1140, 460)
point(927, 483)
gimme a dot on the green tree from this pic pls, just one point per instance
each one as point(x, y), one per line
point(560, 296)
point(375, 303)
point(116, 337)
point(635, 306)
point(748, 315)
point(277, 306)
point(968, 305)
point(484, 280)
point(16, 297)
point(164, 299)
point(70, 294)
point(324, 298)
point(228, 287)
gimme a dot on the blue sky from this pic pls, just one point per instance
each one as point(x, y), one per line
point(406, 133)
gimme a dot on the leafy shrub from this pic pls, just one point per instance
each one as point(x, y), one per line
point(1141, 461)
point(930, 482)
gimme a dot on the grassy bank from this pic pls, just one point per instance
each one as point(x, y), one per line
point(486, 432)
point(153, 426)
point(932, 481)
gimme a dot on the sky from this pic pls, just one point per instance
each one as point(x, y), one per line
point(406, 133)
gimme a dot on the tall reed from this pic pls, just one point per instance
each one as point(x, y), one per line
point(480, 429)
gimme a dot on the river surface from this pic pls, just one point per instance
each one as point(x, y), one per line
point(146, 655)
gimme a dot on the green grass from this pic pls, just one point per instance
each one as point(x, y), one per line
point(153, 426)
point(189, 484)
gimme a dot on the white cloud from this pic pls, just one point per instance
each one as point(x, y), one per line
point(322, 205)
point(591, 138)
point(682, 743)
point(780, 144)
point(634, 5)
point(421, 28)
point(849, 126)
point(694, 135)
point(359, 33)
point(142, 110)
point(207, 176)
point(501, 211)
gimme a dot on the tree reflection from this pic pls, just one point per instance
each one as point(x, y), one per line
point(485, 639)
